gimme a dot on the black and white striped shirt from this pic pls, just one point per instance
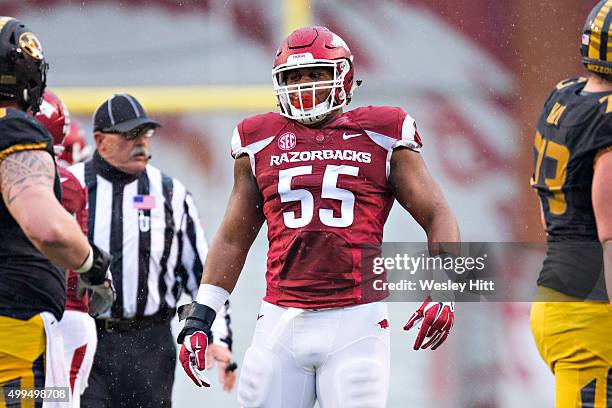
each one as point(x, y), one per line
point(150, 226)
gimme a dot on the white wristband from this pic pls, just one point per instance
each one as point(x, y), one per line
point(212, 296)
point(88, 262)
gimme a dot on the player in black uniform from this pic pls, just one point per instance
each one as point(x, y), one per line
point(572, 320)
point(36, 234)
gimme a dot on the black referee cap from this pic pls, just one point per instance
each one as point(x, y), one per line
point(121, 113)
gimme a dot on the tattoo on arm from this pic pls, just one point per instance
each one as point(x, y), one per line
point(22, 170)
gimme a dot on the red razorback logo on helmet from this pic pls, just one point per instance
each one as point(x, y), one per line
point(383, 324)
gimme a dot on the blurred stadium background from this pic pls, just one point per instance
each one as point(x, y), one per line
point(473, 73)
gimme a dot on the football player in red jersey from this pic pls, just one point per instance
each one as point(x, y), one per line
point(74, 147)
point(324, 180)
point(77, 326)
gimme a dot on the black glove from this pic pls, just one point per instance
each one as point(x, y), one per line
point(198, 317)
point(101, 298)
point(97, 274)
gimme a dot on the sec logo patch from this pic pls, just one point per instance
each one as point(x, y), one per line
point(287, 141)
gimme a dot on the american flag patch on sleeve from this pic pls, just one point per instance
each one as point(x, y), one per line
point(144, 202)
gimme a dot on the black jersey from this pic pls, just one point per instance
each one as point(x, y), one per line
point(29, 282)
point(572, 130)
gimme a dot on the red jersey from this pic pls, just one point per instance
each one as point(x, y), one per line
point(74, 200)
point(325, 199)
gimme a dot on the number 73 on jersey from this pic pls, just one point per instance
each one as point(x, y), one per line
point(548, 149)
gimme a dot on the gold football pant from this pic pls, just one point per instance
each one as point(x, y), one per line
point(574, 338)
point(22, 358)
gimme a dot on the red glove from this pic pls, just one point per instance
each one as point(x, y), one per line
point(437, 321)
point(193, 357)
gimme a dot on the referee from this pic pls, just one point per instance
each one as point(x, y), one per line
point(147, 220)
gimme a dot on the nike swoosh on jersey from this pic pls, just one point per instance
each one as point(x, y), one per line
point(346, 137)
point(62, 179)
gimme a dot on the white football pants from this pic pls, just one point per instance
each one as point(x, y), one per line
point(338, 357)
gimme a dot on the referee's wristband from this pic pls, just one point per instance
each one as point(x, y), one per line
point(212, 296)
point(87, 264)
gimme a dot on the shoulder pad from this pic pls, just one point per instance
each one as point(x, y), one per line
point(386, 120)
point(74, 195)
point(569, 82)
point(20, 131)
point(602, 136)
point(605, 103)
point(69, 178)
point(568, 85)
point(256, 129)
point(391, 122)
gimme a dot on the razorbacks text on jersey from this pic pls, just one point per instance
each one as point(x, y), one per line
point(74, 200)
point(29, 282)
point(573, 129)
point(325, 199)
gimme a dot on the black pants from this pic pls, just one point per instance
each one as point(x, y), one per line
point(132, 369)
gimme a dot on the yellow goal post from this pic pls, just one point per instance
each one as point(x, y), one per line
point(186, 99)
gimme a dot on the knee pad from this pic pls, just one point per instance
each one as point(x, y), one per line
point(362, 383)
point(256, 377)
